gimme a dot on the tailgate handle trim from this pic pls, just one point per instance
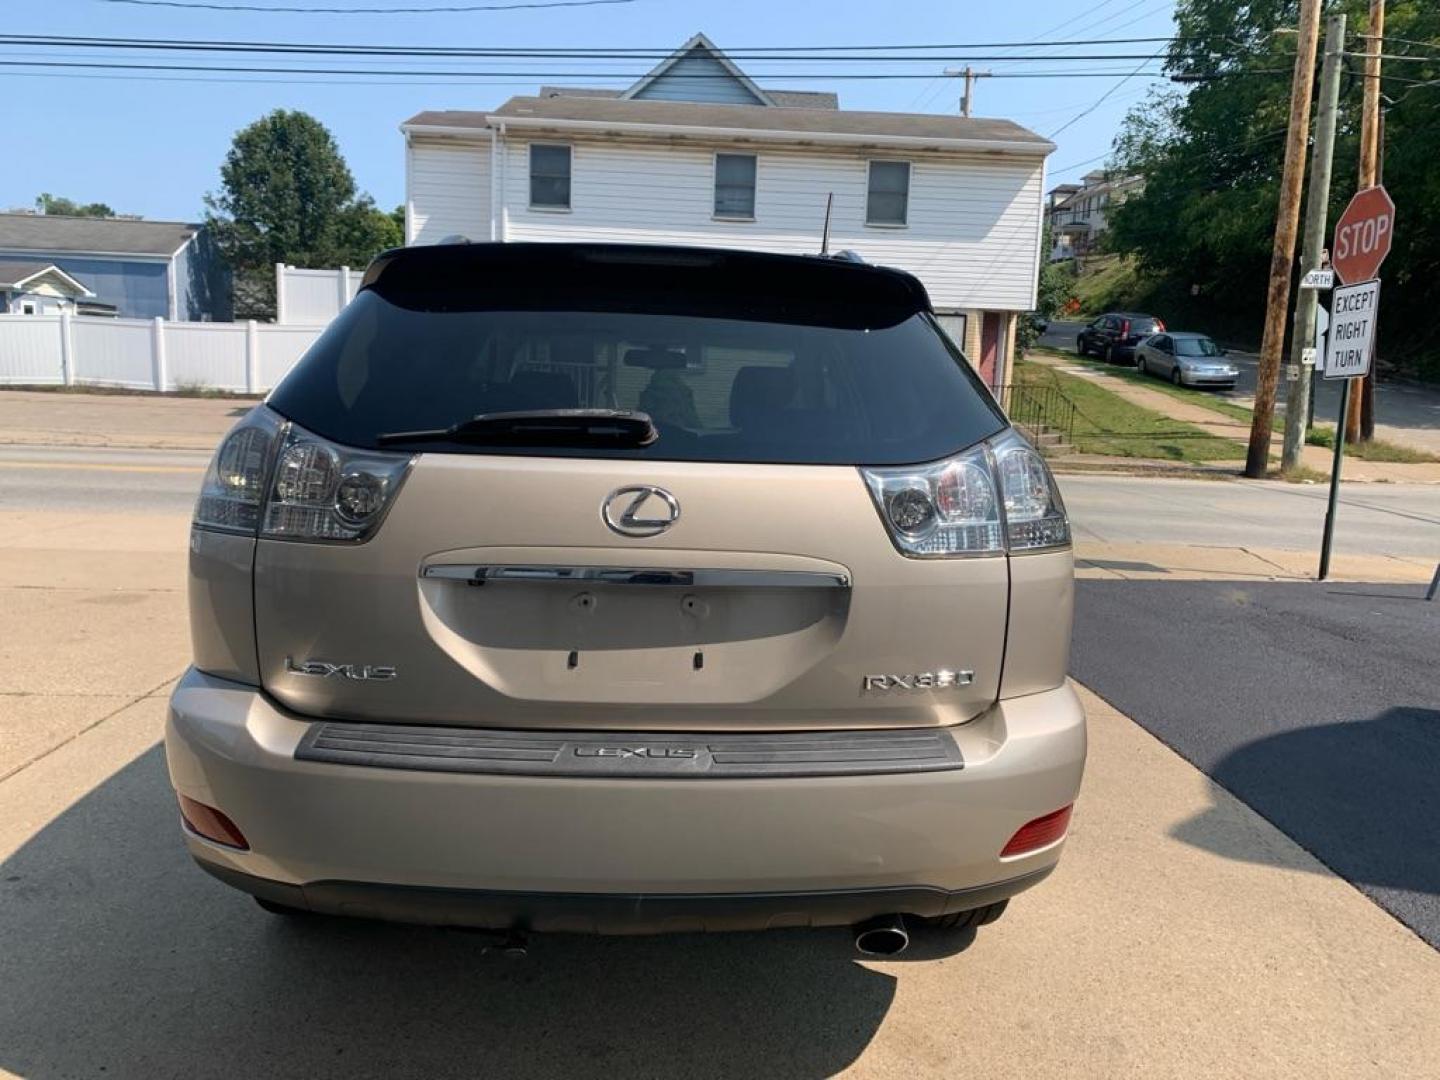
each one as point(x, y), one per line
point(480, 573)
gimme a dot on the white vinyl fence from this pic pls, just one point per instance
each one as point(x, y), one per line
point(313, 297)
point(148, 354)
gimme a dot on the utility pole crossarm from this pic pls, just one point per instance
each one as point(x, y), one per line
point(967, 98)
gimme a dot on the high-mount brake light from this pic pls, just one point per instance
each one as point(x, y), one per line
point(275, 479)
point(993, 498)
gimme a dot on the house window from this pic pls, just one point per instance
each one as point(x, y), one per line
point(887, 200)
point(27, 307)
point(550, 176)
point(735, 186)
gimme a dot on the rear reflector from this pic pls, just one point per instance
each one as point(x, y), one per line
point(212, 824)
point(1038, 833)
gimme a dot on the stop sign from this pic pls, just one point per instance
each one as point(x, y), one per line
point(1363, 235)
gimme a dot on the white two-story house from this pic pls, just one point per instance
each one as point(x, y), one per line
point(1079, 213)
point(697, 153)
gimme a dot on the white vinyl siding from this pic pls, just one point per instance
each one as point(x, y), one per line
point(973, 220)
point(448, 190)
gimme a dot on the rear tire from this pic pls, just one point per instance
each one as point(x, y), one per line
point(1140, 365)
point(968, 920)
point(1109, 354)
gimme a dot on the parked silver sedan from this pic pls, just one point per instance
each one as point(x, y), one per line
point(1186, 360)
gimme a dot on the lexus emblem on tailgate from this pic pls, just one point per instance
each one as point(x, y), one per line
point(641, 510)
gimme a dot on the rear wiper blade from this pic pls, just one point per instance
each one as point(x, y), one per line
point(541, 427)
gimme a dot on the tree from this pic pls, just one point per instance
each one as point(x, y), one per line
point(1056, 286)
point(288, 196)
point(1211, 157)
point(58, 204)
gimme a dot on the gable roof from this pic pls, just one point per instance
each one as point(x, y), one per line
point(18, 273)
point(82, 235)
point(743, 122)
point(700, 48)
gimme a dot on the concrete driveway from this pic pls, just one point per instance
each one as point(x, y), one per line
point(1183, 935)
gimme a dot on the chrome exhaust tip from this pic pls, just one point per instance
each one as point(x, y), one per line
point(882, 936)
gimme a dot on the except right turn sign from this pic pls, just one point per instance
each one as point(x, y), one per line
point(1352, 330)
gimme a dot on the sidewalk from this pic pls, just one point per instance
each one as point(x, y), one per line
point(132, 421)
point(1193, 562)
point(1211, 422)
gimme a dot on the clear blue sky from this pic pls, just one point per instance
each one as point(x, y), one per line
point(155, 147)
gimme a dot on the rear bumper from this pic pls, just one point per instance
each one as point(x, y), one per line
point(1192, 379)
point(622, 853)
point(617, 913)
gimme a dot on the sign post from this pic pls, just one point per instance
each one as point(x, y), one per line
point(1348, 351)
point(1363, 236)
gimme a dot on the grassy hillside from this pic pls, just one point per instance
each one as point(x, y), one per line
point(1107, 282)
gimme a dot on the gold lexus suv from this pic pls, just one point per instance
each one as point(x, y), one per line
point(629, 589)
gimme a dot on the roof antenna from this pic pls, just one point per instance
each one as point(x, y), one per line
point(825, 234)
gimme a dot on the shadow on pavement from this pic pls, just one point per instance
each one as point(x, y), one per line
point(117, 956)
point(1318, 705)
point(1333, 789)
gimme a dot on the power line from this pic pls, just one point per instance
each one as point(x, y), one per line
point(112, 66)
point(1091, 26)
point(323, 81)
point(800, 53)
point(1105, 96)
point(522, 5)
point(1402, 41)
point(454, 53)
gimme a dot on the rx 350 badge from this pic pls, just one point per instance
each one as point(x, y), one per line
point(943, 679)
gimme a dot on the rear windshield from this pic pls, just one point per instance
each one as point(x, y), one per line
point(1201, 346)
point(717, 388)
point(1143, 326)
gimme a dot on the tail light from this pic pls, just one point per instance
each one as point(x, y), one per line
point(211, 824)
point(994, 498)
point(1125, 329)
point(272, 478)
point(1042, 832)
point(1159, 326)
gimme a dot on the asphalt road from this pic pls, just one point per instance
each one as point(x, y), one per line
point(1383, 519)
point(1407, 407)
point(83, 479)
point(1319, 705)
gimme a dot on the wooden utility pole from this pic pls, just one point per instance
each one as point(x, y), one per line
point(1364, 401)
point(967, 99)
point(1282, 256)
point(1298, 405)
